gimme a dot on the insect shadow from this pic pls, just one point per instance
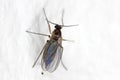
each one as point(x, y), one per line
point(52, 50)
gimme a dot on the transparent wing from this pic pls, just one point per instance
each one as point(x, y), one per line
point(51, 56)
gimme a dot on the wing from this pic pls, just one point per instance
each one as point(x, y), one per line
point(51, 56)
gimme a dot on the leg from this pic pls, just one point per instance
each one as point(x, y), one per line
point(63, 65)
point(60, 43)
point(62, 18)
point(39, 55)
point(68, 40)
point(47, 21)
point(38, 33)
point(62, 61)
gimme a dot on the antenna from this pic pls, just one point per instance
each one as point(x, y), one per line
point(63, 25)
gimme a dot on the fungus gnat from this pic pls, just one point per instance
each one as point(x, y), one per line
point(52, 50)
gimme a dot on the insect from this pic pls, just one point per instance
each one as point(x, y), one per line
point(52, 50)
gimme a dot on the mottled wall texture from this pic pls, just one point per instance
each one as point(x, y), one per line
point(94, 54)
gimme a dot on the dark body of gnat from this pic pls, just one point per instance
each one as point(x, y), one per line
point(52, 50)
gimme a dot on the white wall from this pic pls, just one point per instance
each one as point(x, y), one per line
point(93, 56)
